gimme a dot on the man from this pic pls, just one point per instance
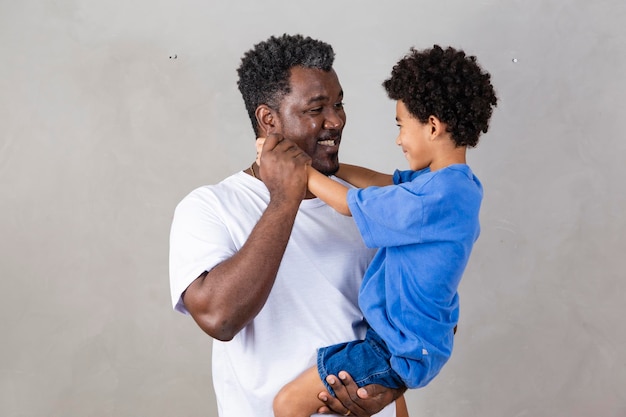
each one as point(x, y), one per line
point(268, 271)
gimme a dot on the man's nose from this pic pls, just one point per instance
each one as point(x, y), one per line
point(333, 121)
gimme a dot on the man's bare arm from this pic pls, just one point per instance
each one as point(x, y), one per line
point(226, 298)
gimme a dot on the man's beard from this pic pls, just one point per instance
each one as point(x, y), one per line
point(329, 168)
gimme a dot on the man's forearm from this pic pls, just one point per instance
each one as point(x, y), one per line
point(229, 296)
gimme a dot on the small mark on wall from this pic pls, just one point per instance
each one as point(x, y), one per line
point(175, 56)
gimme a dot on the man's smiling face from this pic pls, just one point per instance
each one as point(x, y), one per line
point(312, 116)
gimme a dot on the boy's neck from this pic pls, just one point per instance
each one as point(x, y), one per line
point(448, 156)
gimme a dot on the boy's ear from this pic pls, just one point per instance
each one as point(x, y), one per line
point(437, 127)
point(267, 120)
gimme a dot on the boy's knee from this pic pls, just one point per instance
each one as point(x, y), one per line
point(281, 403)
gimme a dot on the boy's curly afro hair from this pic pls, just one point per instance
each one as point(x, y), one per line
point(265, 69)
point(447, 84)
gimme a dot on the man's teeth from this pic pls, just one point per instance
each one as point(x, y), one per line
point(327, 142)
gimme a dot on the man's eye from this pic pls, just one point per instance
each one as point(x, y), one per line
point(315, 110)
point(339, 105)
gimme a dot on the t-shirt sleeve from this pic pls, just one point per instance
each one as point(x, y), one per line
point(400, 177)
point(199, 241)
point(382, 215)
point(390, 215)
point(413, 210)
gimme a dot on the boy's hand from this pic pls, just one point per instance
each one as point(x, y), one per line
point(259, 150)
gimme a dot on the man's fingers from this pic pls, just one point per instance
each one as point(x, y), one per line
point(332, 405)
point(349, 385)
point(287, 147)
point(346, 397)
point(271, 141)
point(276, 142)
point(364, 393)
point(361, 402)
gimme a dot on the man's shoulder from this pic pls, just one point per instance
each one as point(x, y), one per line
point(220, 189)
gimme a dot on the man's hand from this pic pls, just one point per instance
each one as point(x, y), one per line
point(355, 401)
point(283, 168)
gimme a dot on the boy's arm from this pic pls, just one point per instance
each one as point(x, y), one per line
point(363, 177)
point(331, 192)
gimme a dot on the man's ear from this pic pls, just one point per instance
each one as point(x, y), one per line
point(267, 120)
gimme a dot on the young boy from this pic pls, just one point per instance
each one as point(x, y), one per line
point(424, 222)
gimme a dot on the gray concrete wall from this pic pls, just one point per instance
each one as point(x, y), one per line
point(111, 111)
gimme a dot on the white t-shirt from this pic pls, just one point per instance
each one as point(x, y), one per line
point(313, 302)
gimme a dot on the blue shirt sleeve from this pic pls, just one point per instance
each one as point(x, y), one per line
point(420, 207)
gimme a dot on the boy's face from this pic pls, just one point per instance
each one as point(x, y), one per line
point(414, 138)
point(312, 116)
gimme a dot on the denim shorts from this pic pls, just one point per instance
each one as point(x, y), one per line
point(367, 362)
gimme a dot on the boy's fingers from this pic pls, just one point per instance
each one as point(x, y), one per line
point(259, 150)
point(259, 144)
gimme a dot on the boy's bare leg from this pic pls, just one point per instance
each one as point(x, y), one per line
point(401, 409)
point(299, 397)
